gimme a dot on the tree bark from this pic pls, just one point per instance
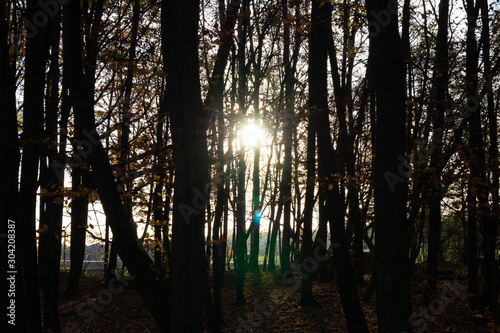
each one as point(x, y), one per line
point(79, 214)
point(438, 107)
point(491, 214)
point(285, 198)
point(306, 296)
point(52, 182)
point(9, 168)
point(35, 60)
point(189, 126)
point(391, 256)
point(241, 245)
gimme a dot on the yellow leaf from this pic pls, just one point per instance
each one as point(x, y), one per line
point(58, 201)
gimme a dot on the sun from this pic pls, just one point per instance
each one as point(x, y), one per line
point(251, 135)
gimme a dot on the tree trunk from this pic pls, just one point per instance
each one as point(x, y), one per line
point(285, 198)
point(318, 94)
point(52, 182)
point(253, 265)
point(189, 126)
point(391, 256)
point(79, 214)
point(321, 237)
point(306, 296)
point(471, 253)
point(241, 245)
point(438, 107)
point(219, 211)
point(347, 156)
point(490, 215)
point(36, 45)
point(9, 195)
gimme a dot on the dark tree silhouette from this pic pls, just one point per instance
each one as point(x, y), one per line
point(387, 73)
point(188, 123)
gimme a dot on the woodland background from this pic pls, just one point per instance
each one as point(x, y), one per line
point(376, 164)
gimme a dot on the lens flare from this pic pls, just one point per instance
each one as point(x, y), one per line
point(251, 135)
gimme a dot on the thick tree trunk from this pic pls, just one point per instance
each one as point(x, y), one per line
point(36, 44)
point(153, 290)
point(9, 196)
point(391, 256)
point(189, 125)
point(477, 192)
point(490, 215)
point(52, 182)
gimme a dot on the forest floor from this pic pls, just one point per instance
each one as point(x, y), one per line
point(272, 306)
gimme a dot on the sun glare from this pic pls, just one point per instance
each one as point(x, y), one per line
point(251, 135)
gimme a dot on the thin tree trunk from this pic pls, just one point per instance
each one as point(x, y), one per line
point(439, 105)
point(241, 246)
point(347, 156)
point(253, 265)
point(318, 94)
point(79, 212)
point(321, 237)
point(219, 211)
point(306, 296)
point(471, 253)
point(286, 180)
